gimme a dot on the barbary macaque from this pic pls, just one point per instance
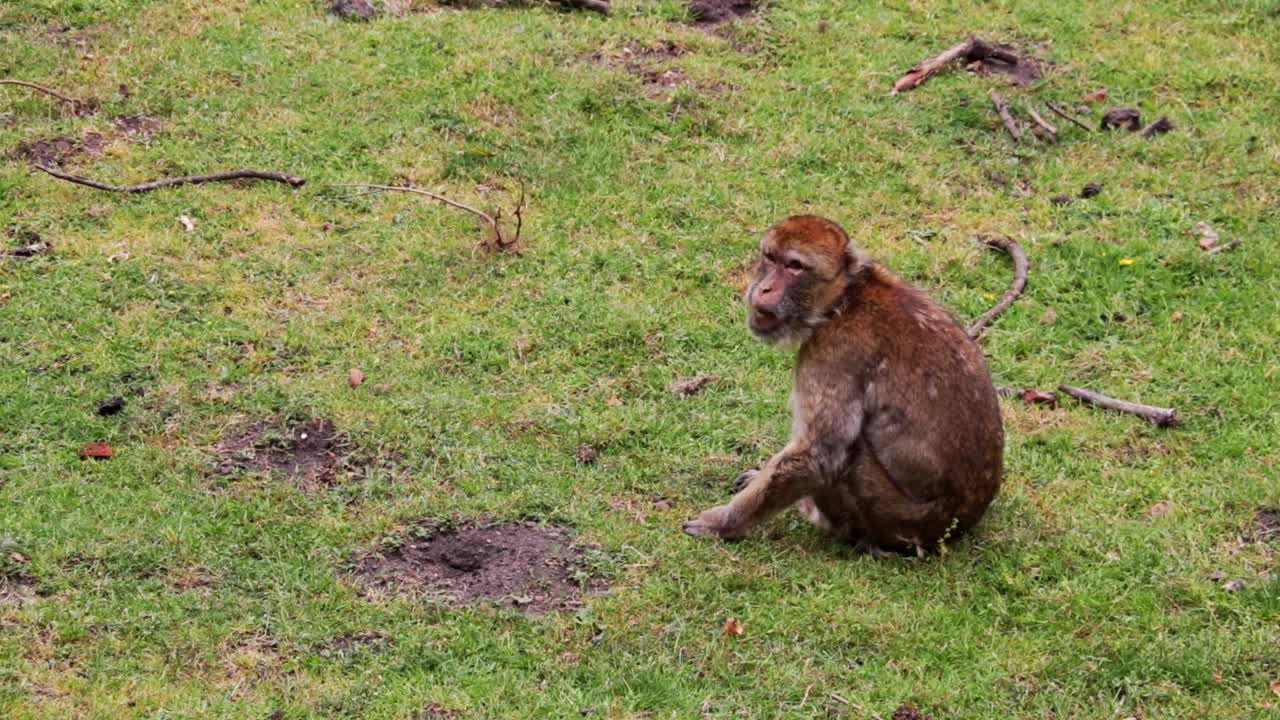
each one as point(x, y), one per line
point(896, 438)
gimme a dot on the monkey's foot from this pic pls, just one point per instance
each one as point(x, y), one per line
point(741, 482)
point(716, 522)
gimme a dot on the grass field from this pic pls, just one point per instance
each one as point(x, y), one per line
point(1121, 573)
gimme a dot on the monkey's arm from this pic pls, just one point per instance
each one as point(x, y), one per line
point(818, 451)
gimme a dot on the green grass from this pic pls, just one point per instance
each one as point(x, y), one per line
point(164, 595)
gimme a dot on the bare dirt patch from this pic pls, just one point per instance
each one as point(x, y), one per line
point(138, 126)
point(1266, 525)
point(57, 151)
point(906, 711)
point(524, 566)
point(17, 589)
point(310, 452)
point(715, 12)
point(652, 64)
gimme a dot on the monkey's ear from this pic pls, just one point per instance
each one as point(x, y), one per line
point(853, 260)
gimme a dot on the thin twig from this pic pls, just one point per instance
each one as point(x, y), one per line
point(1158, 416)
point(43, 89)
point(500, 240)
point(1002, 109)
point(1020, 268)
point(1223, 248)
point(175, 181)
point(1062, 114)
point(1041, 123)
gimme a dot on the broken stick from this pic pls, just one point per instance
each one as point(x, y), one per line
point(175, 181)
point(1050, 130)
point(1063, 114)
point(1020, 268)
point(972, 49)
point(1158, 416)
point(1223, 248)
point(500, 240)
point(1002, 109)
point(43, 89)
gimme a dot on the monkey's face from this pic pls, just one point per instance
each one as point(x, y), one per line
point(802, 271)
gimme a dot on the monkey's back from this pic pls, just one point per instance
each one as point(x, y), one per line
point(929, 458)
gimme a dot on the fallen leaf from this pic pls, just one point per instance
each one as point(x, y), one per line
point(733, 628)
point(1208, 236)
point(1275, 686)
point(1176, 316)
point(692, 385)
point(585, 454)
point(1158, 509)
point(187, 223)
point(5, 297)
point(1141, 375)
point(1049, 317)
point(1233, 586)
point(18, 557)
point(614, 401)
point(1126, 261)
point(354, 377)
point(1096, 96)
point(119, 257)
point(1032, 395)
point(96, 450)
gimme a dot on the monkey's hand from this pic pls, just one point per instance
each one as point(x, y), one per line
point(741, 482)
point(717, 522)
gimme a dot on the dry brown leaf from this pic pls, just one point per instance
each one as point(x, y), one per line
point(733, 628)
point(355, 377)
point(1096, 96)
point(1158, 509)
point(5, 297)
point(1031, 395)
point(18, 557)
point(1176, 316)
point(96, 450)
point(1275, 686)
point(613, 401)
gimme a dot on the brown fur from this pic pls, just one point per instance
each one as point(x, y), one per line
point(896, 436)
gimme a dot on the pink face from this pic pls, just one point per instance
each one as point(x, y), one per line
point(780, 279)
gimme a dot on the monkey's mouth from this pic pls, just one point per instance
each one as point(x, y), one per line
point(763, 321)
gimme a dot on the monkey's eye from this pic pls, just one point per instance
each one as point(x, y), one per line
point(770, 257)
point(795, 265)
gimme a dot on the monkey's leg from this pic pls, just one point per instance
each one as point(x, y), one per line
point(786, 478)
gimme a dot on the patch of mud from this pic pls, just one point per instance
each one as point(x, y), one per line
point(309, 453)
point(649, 63)
point(138, 126)
point(1022, 71)
point(524, 566)
point(715, 12)
point(57, 151)
point(435, 711)
point(1266, 525)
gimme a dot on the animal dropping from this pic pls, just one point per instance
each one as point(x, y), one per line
point(896, 435)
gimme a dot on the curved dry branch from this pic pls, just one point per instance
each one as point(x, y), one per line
point(43, 89)
point(1158, 416)
point(175, 181)
point(500, 240)
point(1020, 269)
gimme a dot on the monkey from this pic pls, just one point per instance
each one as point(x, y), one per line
point(896, 437)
